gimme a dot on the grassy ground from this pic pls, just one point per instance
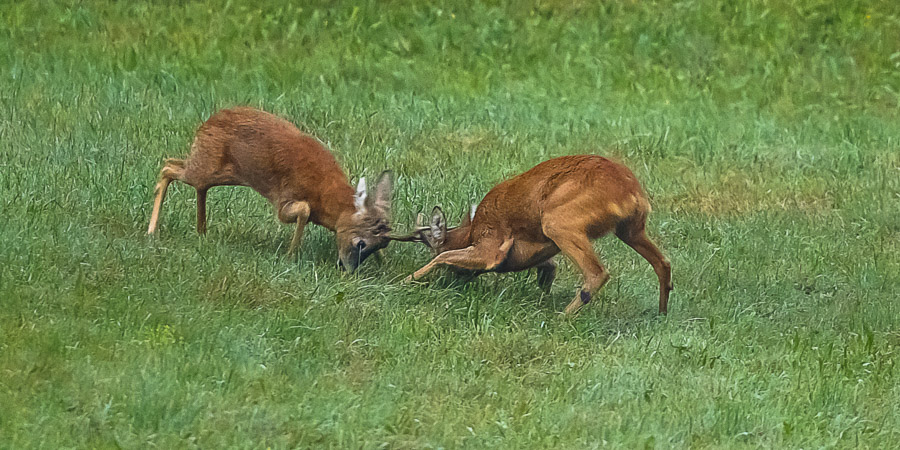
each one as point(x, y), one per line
point(766, 133)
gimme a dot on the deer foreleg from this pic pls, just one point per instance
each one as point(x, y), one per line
point(546, 273)
point(295, 212)
point(173, 170)
point(475, 258)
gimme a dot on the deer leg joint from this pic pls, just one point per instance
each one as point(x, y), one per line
point(585, 297)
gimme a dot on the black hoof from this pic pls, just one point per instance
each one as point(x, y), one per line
point(585, 297)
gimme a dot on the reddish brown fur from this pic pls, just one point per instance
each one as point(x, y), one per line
point(559, 205)
point(295, 172)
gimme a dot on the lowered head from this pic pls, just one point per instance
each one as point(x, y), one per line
point(367, 230)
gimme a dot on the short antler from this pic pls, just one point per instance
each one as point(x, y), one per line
point(414, 236)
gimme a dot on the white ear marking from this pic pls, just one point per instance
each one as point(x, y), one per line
point(360, 196)
point(437, 227)
point(437, 233)
point(472, 214)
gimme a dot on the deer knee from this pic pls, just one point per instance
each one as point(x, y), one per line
point(491, 257)
point(175, 162)
point(293, 212)
point(171, 172)
point(665, 272)
point(503, 252)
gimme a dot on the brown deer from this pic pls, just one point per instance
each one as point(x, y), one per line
point(559, 205)
point(293, 171)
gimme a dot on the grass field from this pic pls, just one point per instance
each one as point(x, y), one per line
point(766, 132)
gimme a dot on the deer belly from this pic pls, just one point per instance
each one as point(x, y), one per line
point(525, 255)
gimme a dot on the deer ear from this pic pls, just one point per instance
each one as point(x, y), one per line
point(383, 188)
point(438, 225)
point(359, 199)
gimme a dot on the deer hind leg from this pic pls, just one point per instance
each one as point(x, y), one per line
point(295, 212)
point(576, 245)
point(546, 273)
point(638, 240)
point(173, 170)
point(476, 258)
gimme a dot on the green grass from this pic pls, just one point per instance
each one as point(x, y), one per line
point(766, 132)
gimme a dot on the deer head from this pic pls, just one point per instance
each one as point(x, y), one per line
point(368, 229)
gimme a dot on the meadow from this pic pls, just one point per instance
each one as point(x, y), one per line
point(766, 133)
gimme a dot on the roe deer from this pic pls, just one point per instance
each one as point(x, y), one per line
point(558, 205)
point(295, 172)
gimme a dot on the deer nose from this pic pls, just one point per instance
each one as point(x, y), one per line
point(360, 244)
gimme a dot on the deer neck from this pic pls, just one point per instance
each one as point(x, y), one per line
point(336, 205)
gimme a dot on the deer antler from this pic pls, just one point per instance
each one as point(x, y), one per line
point(414, 236)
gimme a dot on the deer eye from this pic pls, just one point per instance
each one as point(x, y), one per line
point(382, 229)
